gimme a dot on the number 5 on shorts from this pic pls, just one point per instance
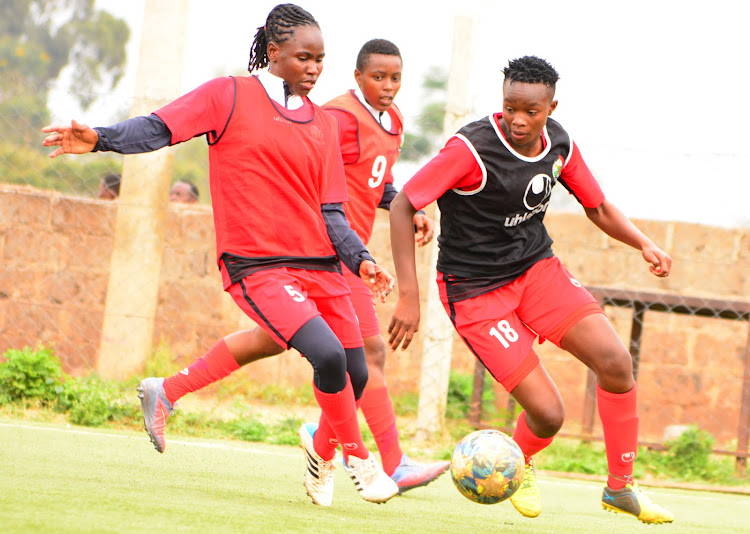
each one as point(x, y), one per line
point(504, 333)
point(296, 295)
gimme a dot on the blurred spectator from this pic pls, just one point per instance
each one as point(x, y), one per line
point(109, 186)
point(184, 191)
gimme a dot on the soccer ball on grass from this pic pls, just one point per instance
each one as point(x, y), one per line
point(487, 466)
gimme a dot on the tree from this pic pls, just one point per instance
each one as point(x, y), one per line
point(430, 119)
point(38, 39)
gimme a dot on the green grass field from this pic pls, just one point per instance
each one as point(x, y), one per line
point(57, 478)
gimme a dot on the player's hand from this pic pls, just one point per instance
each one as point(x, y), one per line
point(661, 263)
point(404, 323)
point(377, 279)
point(73, 139)
point(425, 229)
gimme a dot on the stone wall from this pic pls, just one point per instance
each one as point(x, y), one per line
point(56, 250)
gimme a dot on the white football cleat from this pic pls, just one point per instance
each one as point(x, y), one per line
point(319, 473)
point(373, 484)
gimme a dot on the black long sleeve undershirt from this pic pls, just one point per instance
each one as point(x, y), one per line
point(134, 136)
point(349, 247)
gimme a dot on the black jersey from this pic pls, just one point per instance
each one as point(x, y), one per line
point(493, 234)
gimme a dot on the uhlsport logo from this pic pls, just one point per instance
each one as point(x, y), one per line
point(537, 191)
point(535, 198)
point(628, 457)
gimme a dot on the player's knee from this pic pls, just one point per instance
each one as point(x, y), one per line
point(331, 361)
point(375, 352)
point(359, 381)
point(552, 420)
point(615, 370)
point(546, 422)
point(356, 366)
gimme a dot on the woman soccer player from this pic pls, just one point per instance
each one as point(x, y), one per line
point(502, 286)
point(277, 184)
point(370, 135)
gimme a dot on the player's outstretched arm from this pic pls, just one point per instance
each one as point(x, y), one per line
point(616, 225)
point(73, 139)
point(425, 229)
point(377, 278)
point(405, 321)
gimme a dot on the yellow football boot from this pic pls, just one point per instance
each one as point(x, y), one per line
point(527, 499)
point(631, 500)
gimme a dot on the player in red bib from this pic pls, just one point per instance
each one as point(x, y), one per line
point(279, 257)
point(370, 135)
point(502, 286)
point(370, 131)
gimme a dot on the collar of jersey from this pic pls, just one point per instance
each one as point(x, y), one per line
point(274, 86)
point(384, 121)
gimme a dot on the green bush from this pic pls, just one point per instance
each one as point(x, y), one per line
point(91, 408)
point(689, 458)
point(460, 387)
point(247, 429)
point(90, 401)
point(573, 457)
point(690, 453)
point(285, 431)
point(30, 374)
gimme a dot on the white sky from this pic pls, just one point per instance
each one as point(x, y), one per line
point(653, 92)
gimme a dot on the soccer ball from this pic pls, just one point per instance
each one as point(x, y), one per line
point(487, 466)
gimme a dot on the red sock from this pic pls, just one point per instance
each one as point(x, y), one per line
point(619, 415)
point(338, 422)
point(212, 366)
point(324, 440)
point(377, 408)
point(529, 442)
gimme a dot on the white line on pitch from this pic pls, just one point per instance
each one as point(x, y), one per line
point(204, 445)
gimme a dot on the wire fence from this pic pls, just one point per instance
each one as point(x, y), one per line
point(641, 302)
point(688, 335)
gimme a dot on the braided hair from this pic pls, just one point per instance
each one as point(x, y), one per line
point(531, 69)
point(279, 27)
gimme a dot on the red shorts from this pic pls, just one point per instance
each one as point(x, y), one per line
point(282, 300)
point(361, 297)
point(499, 327)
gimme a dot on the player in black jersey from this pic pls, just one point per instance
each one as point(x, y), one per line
point(502, 286)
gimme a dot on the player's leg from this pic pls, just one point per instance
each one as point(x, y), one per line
point(335, 395)
point(376, 403)
point(593, 341)
point(338, 423)
point(158, 395)
point(560, 309)
point(541, 418)
point(493, 331)
point(377, 407)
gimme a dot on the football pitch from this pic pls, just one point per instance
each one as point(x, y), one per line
point(59, 479)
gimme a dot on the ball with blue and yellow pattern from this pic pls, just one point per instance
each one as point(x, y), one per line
point(487, 466)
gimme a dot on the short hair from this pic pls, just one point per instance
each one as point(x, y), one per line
point(193, 188)
point(112, 182)
point(279, 27)
point(375, 46)
point(531, 69)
